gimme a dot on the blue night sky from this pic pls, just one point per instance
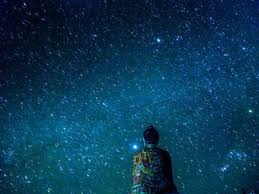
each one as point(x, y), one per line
point(81, 79)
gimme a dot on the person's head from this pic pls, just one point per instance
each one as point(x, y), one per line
point(151, 135)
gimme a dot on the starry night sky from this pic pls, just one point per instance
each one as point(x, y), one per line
point(81, 79)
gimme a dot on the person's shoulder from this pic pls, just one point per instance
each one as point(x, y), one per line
point(137, 153)
point(164, 152)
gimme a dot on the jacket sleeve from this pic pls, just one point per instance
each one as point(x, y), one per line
point(169, 173)
point(136, 175)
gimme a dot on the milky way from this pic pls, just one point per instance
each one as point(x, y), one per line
point(80, 81)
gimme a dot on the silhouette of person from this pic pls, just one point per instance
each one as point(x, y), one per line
point(152, 168)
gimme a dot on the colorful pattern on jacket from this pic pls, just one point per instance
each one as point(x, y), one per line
point(148, 172)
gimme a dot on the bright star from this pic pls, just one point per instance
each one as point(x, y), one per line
point(243, 48)
point(158, 40)
point(224, 168)
point(250, 111)
point(135, 147)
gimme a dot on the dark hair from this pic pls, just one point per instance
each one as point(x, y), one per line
point(151, 135)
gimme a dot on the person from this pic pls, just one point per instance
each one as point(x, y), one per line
point(152, 169)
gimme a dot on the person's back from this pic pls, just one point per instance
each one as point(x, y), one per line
point(152, 173)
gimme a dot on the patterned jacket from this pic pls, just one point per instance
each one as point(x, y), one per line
point(152, 172)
